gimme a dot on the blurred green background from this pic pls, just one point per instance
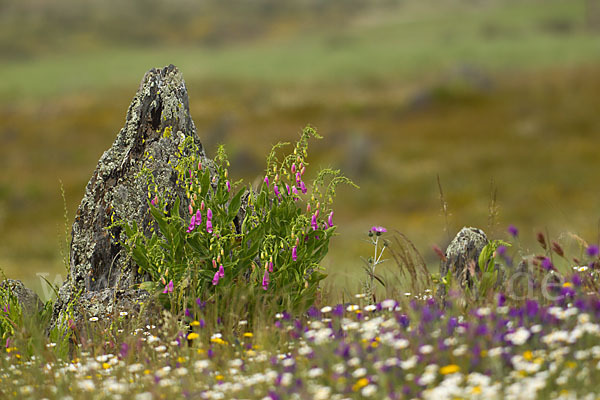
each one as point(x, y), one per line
point(499, 98)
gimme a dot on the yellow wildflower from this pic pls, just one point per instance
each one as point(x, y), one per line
point(248, 334)
point(195, 323)
point(449, 369)
point(361, 383)
point(193, 336)
point(528, 355)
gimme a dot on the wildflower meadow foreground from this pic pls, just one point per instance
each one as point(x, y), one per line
point(184, 283)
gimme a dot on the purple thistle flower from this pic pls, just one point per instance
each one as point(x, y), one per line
point(592, 251)
point(124, 350)
point(547, 264)
point(265, 280)
point(330, 219)
point(295, 253)
point(169, 287)
point(377, 230)
point(221, 271)
point(216, 278)
point(513, 231)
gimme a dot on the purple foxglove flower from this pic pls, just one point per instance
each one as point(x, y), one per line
point(191, 209)
point(154, 201)
point(209, 214)
point(313, 222)
point(293, 168)
point(216, 278)
point(202, 206)
point(295, 253)
point(198, 218)
point(221, 271)
point(209, 227)
point(318, 211)
point(169, 287)
point(287, 189)
point(298, 178)
point(265, 280)
point(303, 187)
point(330, 219)
point(514, 232)
point(270, 266)
point(295, 192)
point(228, 186)
point(276, 190)
point(267, 180)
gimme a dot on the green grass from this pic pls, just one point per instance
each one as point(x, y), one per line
point(410, 42)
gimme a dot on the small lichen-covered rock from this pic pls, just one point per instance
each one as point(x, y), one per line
point(27, 298)
point(463, 251)
point(157, 122)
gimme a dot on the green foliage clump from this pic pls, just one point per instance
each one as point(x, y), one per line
point(224, 235)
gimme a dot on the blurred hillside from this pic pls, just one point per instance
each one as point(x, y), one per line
point(498, 98)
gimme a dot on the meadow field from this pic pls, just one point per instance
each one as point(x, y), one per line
point(445, 114)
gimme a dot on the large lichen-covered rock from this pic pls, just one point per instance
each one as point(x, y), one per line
point(28, 299)
point(157, 122)
point(462, 253)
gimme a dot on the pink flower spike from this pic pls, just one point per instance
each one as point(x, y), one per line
point(267, 180)
point(169, 287)
point(313, 222)
point(209, 214)
point(295, 253)
point(330, 219)
point(270, 266)
point(216, 278)
point(265, 280)
point(228, 186)
point(221, 271)
point(154, 201)
point(209, 227)
point(293, 168)
point(191, 209)
point(198, 218)
point(202, 206)
point(298, 179)
point(287, 188)
point(276, 190)
point(214, 263)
